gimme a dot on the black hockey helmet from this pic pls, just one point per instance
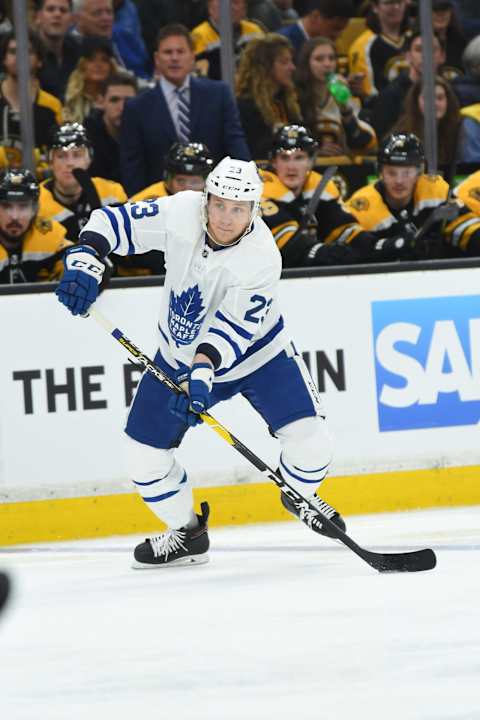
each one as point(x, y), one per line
point(293, 137)
point(18, 185)
point(401, 149)
point(70, 135)
point(188, 159)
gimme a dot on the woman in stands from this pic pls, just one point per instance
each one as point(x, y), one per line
point(266, 94)
point(84, 86)
point(334, 124)
point(449, 121)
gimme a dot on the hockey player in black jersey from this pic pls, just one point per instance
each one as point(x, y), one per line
point(396, 207)
point(287, 191)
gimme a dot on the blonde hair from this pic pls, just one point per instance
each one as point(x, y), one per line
point(77, 103)
point(255, 81)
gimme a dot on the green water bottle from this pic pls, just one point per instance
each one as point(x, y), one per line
point(338, 89)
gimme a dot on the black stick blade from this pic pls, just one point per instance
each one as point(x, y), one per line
point(401, 562)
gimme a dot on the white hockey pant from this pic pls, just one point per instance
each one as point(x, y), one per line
point(306, 453)
point(161, 481)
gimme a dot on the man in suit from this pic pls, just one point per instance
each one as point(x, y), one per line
point(180, 108)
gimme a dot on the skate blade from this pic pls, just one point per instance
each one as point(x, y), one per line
point(181, 562)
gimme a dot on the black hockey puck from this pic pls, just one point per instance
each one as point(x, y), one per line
point(4, 589)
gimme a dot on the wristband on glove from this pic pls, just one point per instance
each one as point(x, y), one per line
point(200, 386)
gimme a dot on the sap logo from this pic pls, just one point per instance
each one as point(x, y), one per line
point(427, 362)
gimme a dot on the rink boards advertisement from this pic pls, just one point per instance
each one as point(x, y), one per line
point(396, 358)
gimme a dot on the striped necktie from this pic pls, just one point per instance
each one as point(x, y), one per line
point(183, 115)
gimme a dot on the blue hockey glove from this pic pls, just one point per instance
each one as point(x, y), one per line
point(82, 276)
point(200, 381)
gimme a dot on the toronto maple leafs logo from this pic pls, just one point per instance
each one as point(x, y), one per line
point(184, 315)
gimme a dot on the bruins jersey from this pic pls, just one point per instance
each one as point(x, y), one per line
point(457, 237)
point(469, 192)
point(74, 217)
point(39, 255)
point(152, 192)
point(206, 45)
point(379, 58)
point(284, 213)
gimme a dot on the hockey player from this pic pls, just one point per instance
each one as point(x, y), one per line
point(399, 204)
point(63, 197)
point(220, 331)
point(286, 194)
point(186, 168)
point(31, 246)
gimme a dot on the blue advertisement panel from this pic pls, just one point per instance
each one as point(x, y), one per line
point(427, 362)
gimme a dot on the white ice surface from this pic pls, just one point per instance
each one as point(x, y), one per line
point(281, 624)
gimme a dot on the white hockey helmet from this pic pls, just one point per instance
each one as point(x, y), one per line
point(234, 180)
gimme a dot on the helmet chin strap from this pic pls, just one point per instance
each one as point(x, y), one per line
point(229, 244)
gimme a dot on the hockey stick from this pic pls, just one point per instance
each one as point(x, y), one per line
point(311, 208)
point(442, 213)
point(383, 562)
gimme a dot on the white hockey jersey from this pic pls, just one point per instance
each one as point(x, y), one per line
point(226, 297)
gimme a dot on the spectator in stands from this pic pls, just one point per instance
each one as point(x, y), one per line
point(325, 18)
point(316, 240)
point(469, 17)
point(470, 134)
point(400, 203)
point(266, 13)
point(334, 124)
point(448, 29)
point(103, 125)
point(155, 14)
point(467, 88)
point(206, 37)
point(95, 65)
point(180, 108)
point(69, 197)
point(5, 24)
point(377, 55)
point(448, 119)
point(52, 22)
point(96, 17)
point(186, 168)
point(127, 37)
point(31, 246)
point(389, 104)
point(468, 192)
point(47, 109)
point(266, 94)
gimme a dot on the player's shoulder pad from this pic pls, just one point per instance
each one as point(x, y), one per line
point(109, 189)
point(46, 234)
point(431, 187)
point(268, 207)
point(152, 192)
point(363, 199)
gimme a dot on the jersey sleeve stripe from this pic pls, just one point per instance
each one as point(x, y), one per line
point(238, 329)
point(128, 229)
point(256, 346)
point(113, 222)
point(228, 339)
